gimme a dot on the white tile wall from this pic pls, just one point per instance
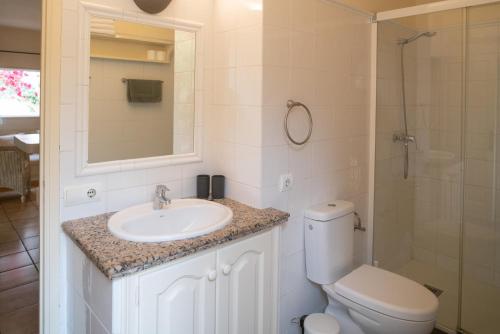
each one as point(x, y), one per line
point(429, 204)
point(481, 219)
point(393, 218)
point(311, 56)
point(237, 91)
point(89, 295)
point(436, 119)
point(124, 188)
point(133, 189)
point(258, 55)
point(184, 103)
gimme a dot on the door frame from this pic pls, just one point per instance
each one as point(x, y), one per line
point(50, 232)
point(372, 141)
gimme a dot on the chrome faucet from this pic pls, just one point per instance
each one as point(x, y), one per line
point(161, 199)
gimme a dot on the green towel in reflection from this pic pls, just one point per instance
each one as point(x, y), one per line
point(143, 91)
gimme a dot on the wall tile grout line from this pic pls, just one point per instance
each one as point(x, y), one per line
point(20, 307)
point(6, 271)
point(17, 286)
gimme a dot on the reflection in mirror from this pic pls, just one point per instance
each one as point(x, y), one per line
point(141, 98)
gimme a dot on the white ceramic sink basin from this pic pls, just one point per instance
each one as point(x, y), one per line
point(182, 219)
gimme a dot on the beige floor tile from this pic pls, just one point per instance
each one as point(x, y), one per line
point(28, 230)
point(21, 321)
point(25, 222)
point(36, 310)
point(18, 297)
point(7, 234)
point(11, 247)
point(3, 216)
point(6, 227)
point(14, 204)
point(17, 277)
point(28, 212)
point(35, 255)
point(31, 243)
point(14, 261)
point(19, 282)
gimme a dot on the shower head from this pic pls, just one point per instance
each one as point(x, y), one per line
point(404, 41)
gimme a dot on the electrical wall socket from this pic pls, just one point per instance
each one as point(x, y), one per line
point(82, 194)
point(286, 182)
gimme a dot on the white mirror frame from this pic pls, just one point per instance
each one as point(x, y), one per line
point(83, 167)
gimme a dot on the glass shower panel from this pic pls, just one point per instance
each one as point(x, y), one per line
point(417, 220)
point(481, 219)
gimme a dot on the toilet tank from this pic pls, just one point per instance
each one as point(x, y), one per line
point(329, 241)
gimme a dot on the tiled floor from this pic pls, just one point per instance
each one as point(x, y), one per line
point(19, 264)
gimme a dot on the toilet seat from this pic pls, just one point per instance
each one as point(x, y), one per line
point(321, 323)
point(386, 293)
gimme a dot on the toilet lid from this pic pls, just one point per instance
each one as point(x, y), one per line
point(321, 323)
point(388, 293)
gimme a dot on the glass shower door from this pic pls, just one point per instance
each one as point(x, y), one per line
point(438, 83)
point(481, 220)
point(417, 220)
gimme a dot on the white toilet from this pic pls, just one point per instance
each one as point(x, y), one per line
point(367, 300)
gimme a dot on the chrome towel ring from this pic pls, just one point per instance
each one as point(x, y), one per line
point(292, 104)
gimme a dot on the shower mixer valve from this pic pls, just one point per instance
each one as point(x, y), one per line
point(403, 138)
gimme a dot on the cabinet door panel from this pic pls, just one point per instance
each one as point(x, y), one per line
point(244, 287)
point(179, 299)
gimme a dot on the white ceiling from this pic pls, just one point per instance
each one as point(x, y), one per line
point(21, 13)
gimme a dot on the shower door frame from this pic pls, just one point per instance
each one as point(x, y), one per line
point(429, 8)
point(396, 14)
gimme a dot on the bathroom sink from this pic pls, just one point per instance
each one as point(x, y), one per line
point(181, 219)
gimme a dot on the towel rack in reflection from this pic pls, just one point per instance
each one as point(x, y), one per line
point(124, 80)
point(291, 105)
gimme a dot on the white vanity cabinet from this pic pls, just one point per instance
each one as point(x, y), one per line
point(245, 287)
point(179, 299)
point(229, 289)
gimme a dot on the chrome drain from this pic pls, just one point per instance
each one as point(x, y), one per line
point(437, 292)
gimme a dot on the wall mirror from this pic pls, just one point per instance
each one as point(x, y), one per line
point(139, 107)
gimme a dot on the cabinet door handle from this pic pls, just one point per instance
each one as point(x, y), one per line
point(226, 269)
point(212, 275)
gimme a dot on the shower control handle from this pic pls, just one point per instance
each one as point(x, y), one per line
point(403, 138)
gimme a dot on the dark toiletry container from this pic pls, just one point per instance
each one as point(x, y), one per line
point(218, 184)
point(202, 186)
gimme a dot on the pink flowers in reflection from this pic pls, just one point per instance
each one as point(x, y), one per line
point(21, 86)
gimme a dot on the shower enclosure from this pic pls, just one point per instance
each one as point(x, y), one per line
point(437, 139)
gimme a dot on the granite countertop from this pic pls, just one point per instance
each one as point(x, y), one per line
point(117, 258)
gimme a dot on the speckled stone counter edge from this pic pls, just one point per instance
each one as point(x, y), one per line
point(117, 258)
